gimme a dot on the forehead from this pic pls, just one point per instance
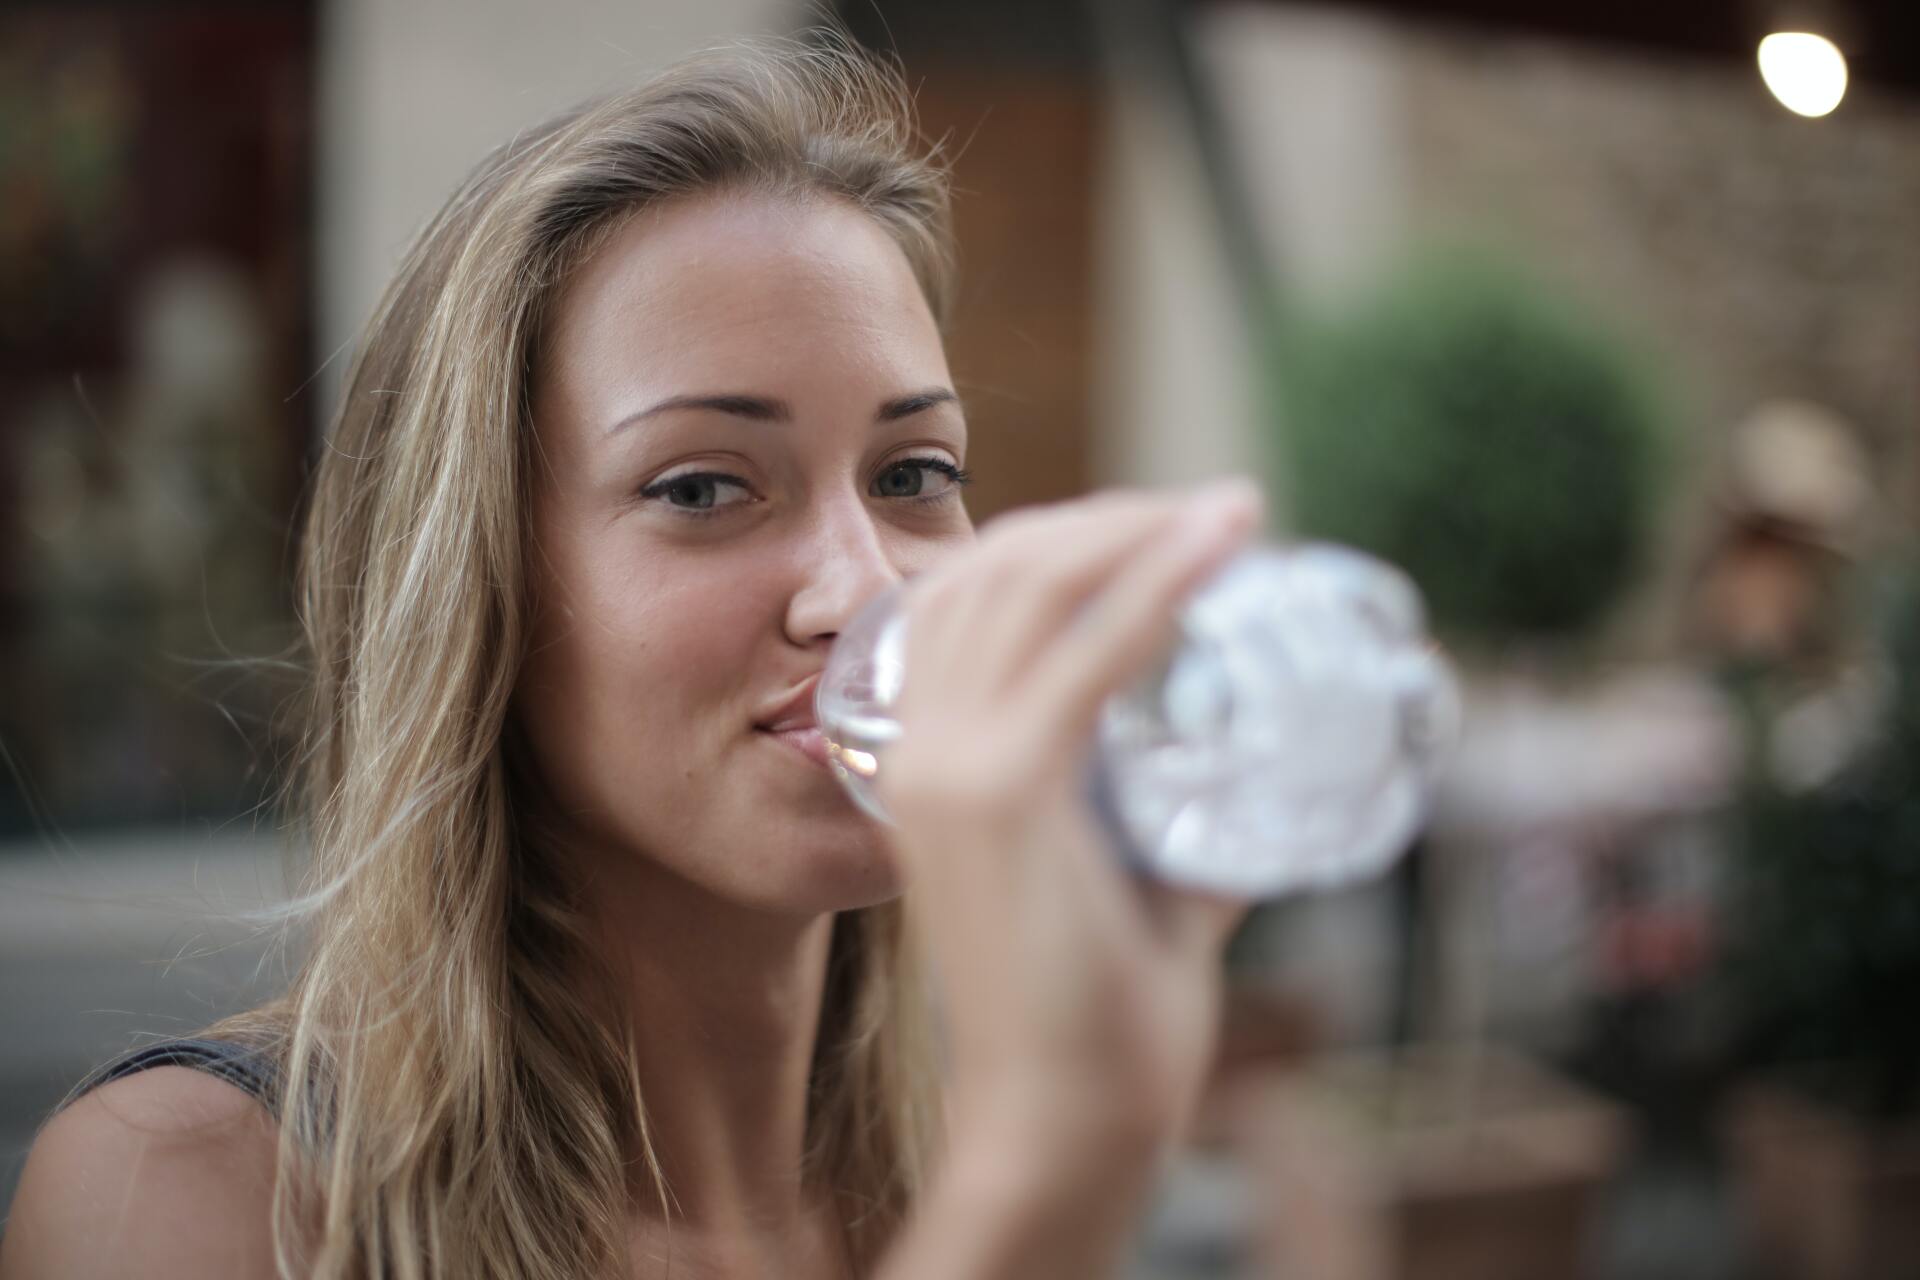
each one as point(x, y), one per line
point(719, 292)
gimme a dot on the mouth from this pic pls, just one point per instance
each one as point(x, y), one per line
point(792, 722)
point(805, 739)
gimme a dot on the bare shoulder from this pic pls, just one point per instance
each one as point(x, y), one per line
point(164, 1173)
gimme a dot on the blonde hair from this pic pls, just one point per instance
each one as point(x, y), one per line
point(454, 1102)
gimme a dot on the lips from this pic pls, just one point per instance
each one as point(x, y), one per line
point(809, 742)
point(795, 711)
point(792, 722)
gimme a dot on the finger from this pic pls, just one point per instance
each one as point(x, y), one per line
point(1062, 560)
point(1194, 925)
point(1132, 620)
point(1031, 573)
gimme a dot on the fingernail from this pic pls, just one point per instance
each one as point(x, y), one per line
point(1232, 500)
point(1209, 520)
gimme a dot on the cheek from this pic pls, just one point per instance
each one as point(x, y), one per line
point(916, 555)
point(656, 654)
point(685, 639)
point(639, 686)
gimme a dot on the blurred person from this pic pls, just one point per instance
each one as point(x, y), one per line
point(604, 974)
point(1797, 496)
point(1774, 600)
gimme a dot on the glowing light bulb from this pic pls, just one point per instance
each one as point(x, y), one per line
point(1806, 72)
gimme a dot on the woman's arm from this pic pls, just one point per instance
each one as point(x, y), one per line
point(1014, 1204)
point(165, 1175)
point(1080, 1001)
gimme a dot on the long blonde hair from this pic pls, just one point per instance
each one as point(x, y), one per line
point(454, 1101)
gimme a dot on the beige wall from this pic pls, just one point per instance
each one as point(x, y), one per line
point(414, 92)
point(1173, 391)
point(1312, 102)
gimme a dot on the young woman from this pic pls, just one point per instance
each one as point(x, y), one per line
point(603, 974)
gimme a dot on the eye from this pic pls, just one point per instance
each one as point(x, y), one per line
point(927, 479)
point(696, 491)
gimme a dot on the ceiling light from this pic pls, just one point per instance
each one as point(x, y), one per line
point(1806, 72)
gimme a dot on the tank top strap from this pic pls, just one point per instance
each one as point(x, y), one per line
point(239, 1065)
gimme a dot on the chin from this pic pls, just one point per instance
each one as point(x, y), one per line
point(856, 870)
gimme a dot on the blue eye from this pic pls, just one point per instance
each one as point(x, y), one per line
point(908, 478)
point(701, 493)
point(695, 491)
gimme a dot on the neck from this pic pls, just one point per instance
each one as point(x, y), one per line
point(725, 1004)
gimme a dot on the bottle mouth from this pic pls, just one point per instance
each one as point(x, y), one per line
point(866, 667)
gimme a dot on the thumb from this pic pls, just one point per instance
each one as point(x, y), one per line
point(1194, 925)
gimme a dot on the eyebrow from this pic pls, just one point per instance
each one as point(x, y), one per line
point(767, 409)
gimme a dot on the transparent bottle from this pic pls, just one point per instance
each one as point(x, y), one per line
point(1287, 741)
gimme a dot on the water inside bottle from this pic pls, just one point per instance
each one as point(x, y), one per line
point(1285, 741)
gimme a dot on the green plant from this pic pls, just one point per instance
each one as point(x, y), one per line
point(1472, 427)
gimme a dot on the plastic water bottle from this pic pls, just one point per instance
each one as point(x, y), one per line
point(1287, 742)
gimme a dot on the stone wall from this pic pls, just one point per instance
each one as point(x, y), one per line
point(1753, 253)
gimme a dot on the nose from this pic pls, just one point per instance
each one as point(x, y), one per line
point(845, 564)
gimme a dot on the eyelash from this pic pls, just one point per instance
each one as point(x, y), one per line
point(960, 476)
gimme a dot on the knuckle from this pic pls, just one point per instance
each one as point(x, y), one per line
point(1009, 522)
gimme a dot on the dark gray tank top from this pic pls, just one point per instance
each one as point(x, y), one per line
point(237, 1064)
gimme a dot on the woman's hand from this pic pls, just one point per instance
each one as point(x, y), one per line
point(1080, 1000)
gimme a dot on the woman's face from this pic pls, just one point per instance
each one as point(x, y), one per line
point(746, 430)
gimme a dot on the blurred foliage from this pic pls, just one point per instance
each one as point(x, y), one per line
point(1824, 952)
point(1471, 426)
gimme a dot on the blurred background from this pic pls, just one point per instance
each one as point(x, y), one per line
point(1603, 320)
